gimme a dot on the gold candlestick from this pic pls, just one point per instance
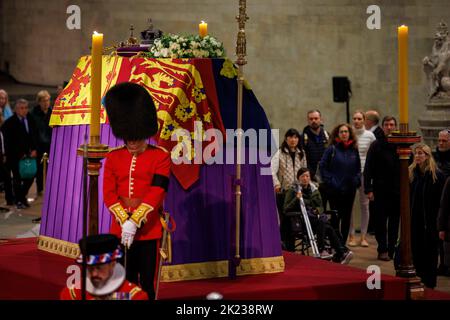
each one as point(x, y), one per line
point(404, 139)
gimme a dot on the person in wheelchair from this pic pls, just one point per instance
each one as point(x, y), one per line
point(304, 188)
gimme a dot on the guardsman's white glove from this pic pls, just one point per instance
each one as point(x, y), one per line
point(128, 232)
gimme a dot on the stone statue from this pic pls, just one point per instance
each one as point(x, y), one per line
point(436, 117)
point(437, 65)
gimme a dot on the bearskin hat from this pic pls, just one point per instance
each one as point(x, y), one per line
point(131, 112)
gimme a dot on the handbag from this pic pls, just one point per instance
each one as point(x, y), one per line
point(27, 168)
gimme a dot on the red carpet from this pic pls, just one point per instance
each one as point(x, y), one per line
point(305, 278)
point(28, 273)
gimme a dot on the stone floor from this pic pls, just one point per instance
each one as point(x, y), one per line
point(364, 257)
point(18, 223)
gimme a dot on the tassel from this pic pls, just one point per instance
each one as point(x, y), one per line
point(166, 252)
point(169, 248)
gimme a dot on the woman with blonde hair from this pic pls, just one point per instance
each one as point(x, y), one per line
point(41, 114)
point(426, 184)
point(5, 109)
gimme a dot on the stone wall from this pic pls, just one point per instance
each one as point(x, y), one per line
point(294, 46)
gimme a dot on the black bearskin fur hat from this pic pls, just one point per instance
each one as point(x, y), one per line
point(131, 112)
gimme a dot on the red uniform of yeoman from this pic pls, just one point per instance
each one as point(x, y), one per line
point(127, 291)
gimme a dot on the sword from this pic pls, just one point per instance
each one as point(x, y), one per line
point(162, 251)
point(44, 162)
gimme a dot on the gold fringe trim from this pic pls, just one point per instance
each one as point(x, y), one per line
point(180, 272)
point(219, 269)
point(60, 247)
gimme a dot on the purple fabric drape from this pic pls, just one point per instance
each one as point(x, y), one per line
point(204, 214)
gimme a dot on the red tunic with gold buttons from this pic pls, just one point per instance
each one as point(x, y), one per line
point(127, 291)
point(134, 187)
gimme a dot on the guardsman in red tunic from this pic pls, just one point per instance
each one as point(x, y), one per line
point(136, 178)
point(106, 278)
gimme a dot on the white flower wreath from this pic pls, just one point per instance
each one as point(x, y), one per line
point(189, 46)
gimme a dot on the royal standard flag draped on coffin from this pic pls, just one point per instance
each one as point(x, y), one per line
point(176, 88)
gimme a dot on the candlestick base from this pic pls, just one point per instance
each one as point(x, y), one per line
point(94, 151)
point(404, 139)
point(94, 154)
point(415, 289)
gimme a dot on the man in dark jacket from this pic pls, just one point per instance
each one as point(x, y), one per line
point(442, 158)
point(19, 133)
point(371, 124)
point(444, 224)
point(442, 153)
point(382, 185)
point(314, 142)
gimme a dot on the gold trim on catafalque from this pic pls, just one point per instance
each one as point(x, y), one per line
point(181, 272)
point(61, 247)
point(219, 269)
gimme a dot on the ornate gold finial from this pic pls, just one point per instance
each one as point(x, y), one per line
point(132, 40)
point(241, 43)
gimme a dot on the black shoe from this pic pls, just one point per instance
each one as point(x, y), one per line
point(383, 256)
point(20, 206)
point(37, 220)
point(26, 204)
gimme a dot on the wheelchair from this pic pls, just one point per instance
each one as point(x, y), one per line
point(300, 231)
